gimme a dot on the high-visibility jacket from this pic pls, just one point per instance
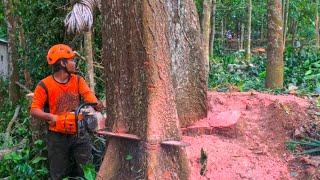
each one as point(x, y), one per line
point(57, 98)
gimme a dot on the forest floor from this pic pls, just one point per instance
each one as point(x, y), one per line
point(245, 135)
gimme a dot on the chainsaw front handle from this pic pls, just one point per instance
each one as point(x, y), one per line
point(77, 114)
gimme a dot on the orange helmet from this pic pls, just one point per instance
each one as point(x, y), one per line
point(59, 51)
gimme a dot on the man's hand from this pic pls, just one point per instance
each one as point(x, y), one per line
point(52, 119)
point(99, 107)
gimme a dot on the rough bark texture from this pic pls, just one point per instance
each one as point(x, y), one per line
point(205, 32)
point(274, 77)
point(248, 49)
point(317, 23)
point(12, 51)
point(89, 59)
point(140, 92)
point(188, 69)
point(213, 28)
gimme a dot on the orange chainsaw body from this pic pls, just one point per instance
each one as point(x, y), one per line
point(65, 123)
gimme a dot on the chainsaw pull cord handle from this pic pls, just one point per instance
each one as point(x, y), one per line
point(77, 114)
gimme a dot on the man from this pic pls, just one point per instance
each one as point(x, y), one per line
point(57, 94)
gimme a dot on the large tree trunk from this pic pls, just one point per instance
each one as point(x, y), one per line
point(189, 78)
point(89, 59)
point(205, 32)
point(14, 91)
point(274, 77)
point(248, 49)
point(317, 23)
point(213, 28)
point(140, 92)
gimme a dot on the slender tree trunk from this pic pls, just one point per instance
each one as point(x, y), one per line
point(89, 59)
point(242, 36)
point(222, 33)
point(317, 23)
point(140, 92)
point(27, 77)
point(188, 69)
point(205, 32)
point(274, 77)
point(294, 32)
point(248, 49)
point(262, 29)
point(14, 91)
point(213, 28)
point(285, 22)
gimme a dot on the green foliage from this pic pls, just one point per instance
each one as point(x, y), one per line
point(312, 146)
point(89, 171)
point(301, 68)
point(220, 77)
point(203, 161)
point(27, 163)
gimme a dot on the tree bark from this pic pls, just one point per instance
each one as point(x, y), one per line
point(213, 28)
point(274, 76)
point(140, 92)
point(13, 56)
point(248, 49)
point(205, 32)
point(222, 33)
point(242, 36)
point(262, 29)
point(188, 69)
point(89, 59)
point(317, 23)
point(27, 77)
point(285, 22)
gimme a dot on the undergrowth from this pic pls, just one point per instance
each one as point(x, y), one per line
point(301, 70)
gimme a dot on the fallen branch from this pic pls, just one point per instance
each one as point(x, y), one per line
point(18, 147)
point(23, 87)
point(9, 127)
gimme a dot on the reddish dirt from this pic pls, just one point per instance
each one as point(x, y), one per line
point(245, 135)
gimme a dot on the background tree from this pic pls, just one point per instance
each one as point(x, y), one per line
point(317, 23)
point(89, 59)
point(213, 27)
point(285, 9)
point(11, 22)
point(140, 92)
point(205, 31)
point(188, 68)
point(274, 76)
point(248, 49)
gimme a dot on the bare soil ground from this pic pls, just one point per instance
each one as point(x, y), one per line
point(245, 135)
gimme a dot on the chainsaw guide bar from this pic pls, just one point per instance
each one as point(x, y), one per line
point(119, 135)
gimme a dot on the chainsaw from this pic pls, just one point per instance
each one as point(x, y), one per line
point(84, 118)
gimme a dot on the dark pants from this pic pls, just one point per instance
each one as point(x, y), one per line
point(66, 153)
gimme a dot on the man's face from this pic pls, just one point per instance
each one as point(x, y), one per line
point(71, 66)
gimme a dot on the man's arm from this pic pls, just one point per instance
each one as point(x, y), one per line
point(88, 95)
point(36, 110)
point(40, 114)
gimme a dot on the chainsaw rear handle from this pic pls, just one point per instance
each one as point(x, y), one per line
point(77, 114)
